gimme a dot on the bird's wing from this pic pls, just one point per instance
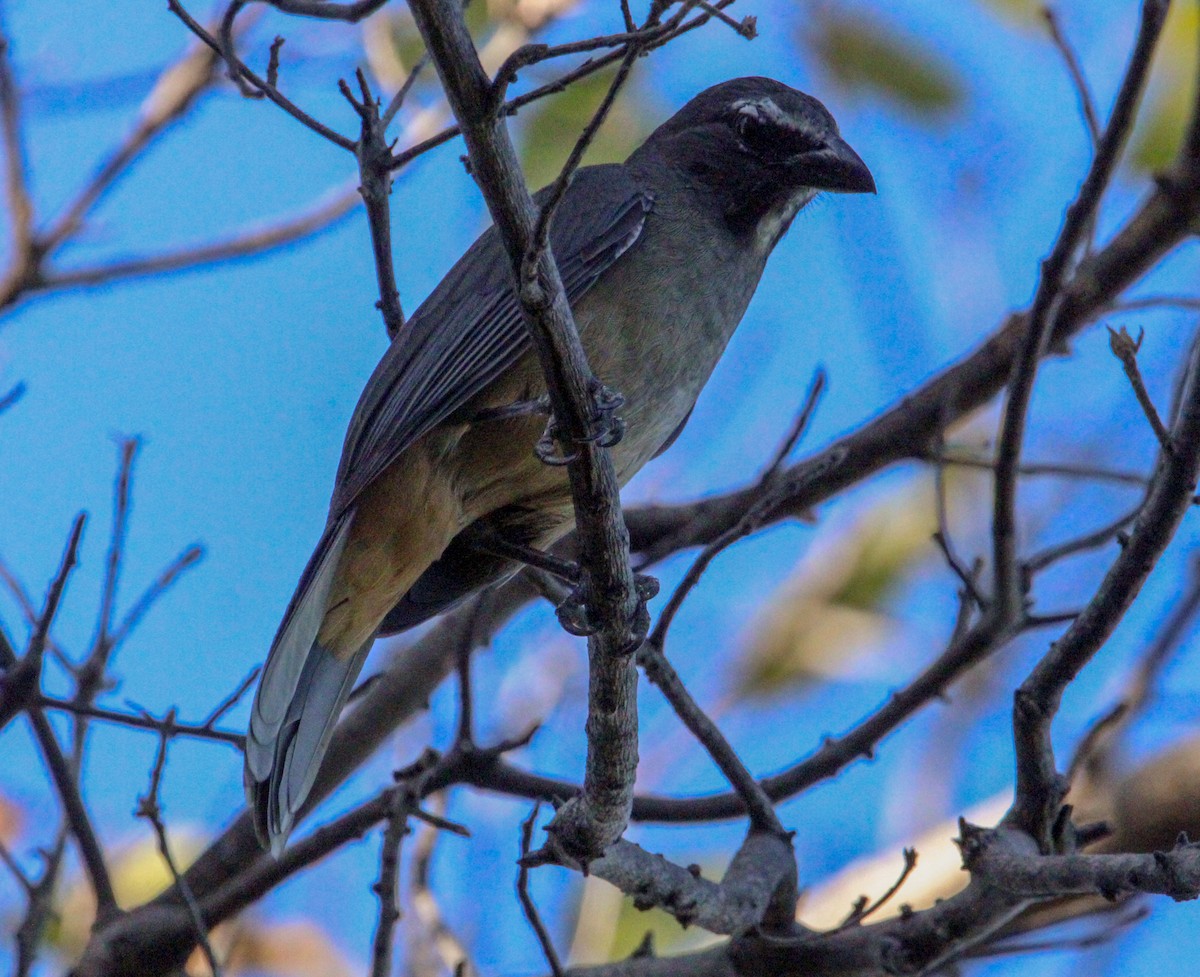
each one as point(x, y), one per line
point(470, 329)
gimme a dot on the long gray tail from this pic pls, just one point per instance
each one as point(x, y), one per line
point(300, 696)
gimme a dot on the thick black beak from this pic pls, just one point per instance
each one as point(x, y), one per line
point(837, 167)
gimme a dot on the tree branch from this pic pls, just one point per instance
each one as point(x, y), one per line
point(1039, 789)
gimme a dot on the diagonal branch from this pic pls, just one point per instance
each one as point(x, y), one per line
point(1051, 294)
point(1172, 490)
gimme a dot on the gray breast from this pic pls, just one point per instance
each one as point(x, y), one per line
point(658, 321)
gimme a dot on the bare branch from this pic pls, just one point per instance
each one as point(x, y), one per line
point(170, 574)
point(527, 904)
point(248, 82)
point(1049, 298)
point(1039, 788)
point(142, 720)
point(174, 93)
point(607, 586)
point(20, 203)
point(1125, 349)
point(1089, 541)
point(865, 909)
point(24, 687)
point(386, 885)
point(148, 808)
point(241, 244)
point(758, 886)
point(11, 396)
point(233, 698)
point(660, 671)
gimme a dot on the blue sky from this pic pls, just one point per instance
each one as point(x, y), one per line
point(240, 380)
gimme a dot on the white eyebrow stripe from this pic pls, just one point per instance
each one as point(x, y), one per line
point(766, 108)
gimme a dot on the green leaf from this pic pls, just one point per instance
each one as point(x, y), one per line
point(866, 56)
point(553, 125)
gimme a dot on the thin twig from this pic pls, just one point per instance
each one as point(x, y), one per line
point(1188, 303)
point(864, 908)
point(1125, 348)
point(1087, 103)
point(143, 720)
point(816, 388)
point(18, 873)
point(514, 105)
point(663, 675)
point(1042, 469)
point(232, 699)
point(1089, 541)
point(10, 397)
point(374, 155)
point(1039, 789)
point(25, 602)
point(40, 909)
point(386, 885)
point(449, 948)
point(148, 807)
point(20, 202)
point(244, 76)
point(241, 244)
point(527, 903)
point(943, 537)
point(1048, 300)
point(170, 574)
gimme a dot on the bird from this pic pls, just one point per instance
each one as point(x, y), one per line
point(439, 485)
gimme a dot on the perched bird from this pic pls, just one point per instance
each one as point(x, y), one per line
point(659, 256)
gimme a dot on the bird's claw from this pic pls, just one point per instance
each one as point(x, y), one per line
point(606, 427)
point(547, 451)
point(574, 616)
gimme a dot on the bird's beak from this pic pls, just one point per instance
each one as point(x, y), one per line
point(837, 167)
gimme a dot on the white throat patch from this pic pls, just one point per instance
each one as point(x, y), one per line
point(777, 220)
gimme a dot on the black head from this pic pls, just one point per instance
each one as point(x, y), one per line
point(762, 148)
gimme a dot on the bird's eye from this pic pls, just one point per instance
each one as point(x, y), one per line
point(756, 135)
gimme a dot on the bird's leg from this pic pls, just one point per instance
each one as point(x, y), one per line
point(572, 612)
point(518, 408)
point(607, 428)
point(496, 544)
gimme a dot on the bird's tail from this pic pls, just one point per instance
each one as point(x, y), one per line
point(300, 695)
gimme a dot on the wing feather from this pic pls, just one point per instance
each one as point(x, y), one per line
point(470, 329)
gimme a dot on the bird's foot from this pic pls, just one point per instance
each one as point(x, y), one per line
point(576, 618)
point(606, 427)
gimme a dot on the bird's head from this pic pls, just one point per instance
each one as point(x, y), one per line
point(762, 149)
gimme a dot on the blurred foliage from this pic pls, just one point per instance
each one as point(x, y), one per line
point(546, 130)
point(1164, 115)
point(12, 821)
point(867, 56)
point(609, 927)
point(246, 945)
point(832, 611)
point(139, 873)
point(1022, 13)
point(553, 124)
